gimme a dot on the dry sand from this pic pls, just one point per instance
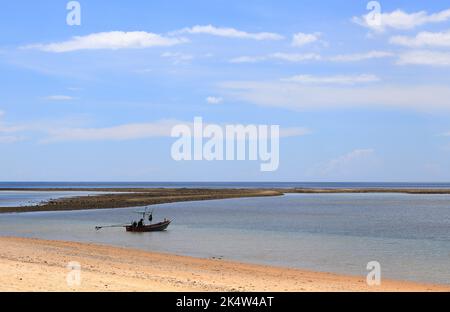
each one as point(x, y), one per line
point(40, 265)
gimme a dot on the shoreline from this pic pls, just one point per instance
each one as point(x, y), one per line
point(136, 197)
point(126, 198)
point(28, 264)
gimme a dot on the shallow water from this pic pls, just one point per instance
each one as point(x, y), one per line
point(29, 198)
point(408, 234)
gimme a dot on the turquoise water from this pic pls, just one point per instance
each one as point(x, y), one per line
point(408, 234)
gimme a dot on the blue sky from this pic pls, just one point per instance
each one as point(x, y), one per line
point(365, 101)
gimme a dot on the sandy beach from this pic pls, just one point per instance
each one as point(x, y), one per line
point(40, 265)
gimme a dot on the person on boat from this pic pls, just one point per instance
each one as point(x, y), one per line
point(141, 223)
point(134, 224)
point(150, 217)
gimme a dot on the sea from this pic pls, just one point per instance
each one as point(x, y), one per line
point(409, 235)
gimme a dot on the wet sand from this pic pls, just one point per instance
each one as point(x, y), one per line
point(40, 265)
point(122, 198)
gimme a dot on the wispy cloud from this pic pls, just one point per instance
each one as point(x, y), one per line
point(299, 97)
point(399, 19)
point(295, 57)
point(178, 57)
point(135, 131)
point(7, 132)
point(248, 59)
point(113, 40)
point(300, 39)
point(294, 132)
point(228, 32)
point(124, 132)
point(353, 161)
point(67, 131)
point(6, 128)
point(74, 88)
point(10, 139)
point(360, 56)
point(214, 100)
point(59, 98)
point(302, 57)
point(431, 39)
point(338, 79)
point(431, 58)
point(287, 57)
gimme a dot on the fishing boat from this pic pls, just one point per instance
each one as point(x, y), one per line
point(141, 226)
point(157, 227)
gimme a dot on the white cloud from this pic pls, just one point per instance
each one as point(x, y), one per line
point(66, 131)
point(440, 39)
point(7, 135)
point(301, 57)
point(345, 164)
point(177, 57)
point(248, 59)
point(301, 39)
point(117, 133)
point(295, 57)
point(360, 56)
point(214, 100)
point(59, 98)
point(338, 79)
point(136, 131)
point(113, 40)
point(10, 139)
point(74, 88)
point(228, 32)
point(294, 132)
point(7, 128)
point(287, 57)
point(431, 58)
point(399, 19)
point(300, 97)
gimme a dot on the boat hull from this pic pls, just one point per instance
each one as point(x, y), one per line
point(157, 227)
